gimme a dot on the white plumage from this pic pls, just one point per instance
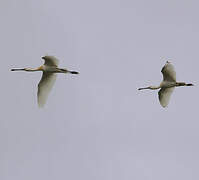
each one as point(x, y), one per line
point(168, 84)
point(49, 69)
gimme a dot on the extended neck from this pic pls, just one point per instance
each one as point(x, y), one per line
point(27, 69)
point(150, 87)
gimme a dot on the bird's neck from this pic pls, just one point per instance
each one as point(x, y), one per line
point(33, 69)
point(150, 87)
point(154, 87)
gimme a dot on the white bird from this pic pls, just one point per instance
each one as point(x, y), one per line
point(167, 85)
point(49, 69)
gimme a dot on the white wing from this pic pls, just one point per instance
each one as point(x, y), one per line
point(168, 72)
point(50, 61)
point(45, 85)
point(164, 95)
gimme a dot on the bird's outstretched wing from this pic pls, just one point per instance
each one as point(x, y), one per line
point(164, 95)
point(45, 85)
point(168, 72)
point(50, 61)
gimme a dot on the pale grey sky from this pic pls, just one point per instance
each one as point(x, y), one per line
point(97, 125)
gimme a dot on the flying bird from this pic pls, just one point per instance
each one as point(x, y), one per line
point(167, 85)
point(50, 70)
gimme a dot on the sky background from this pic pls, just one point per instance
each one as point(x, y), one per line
point(97, 125)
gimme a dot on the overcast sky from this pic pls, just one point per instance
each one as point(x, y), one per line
point(97, 125)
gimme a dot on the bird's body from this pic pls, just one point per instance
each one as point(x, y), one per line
point(49, 69)
point(167, 85)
